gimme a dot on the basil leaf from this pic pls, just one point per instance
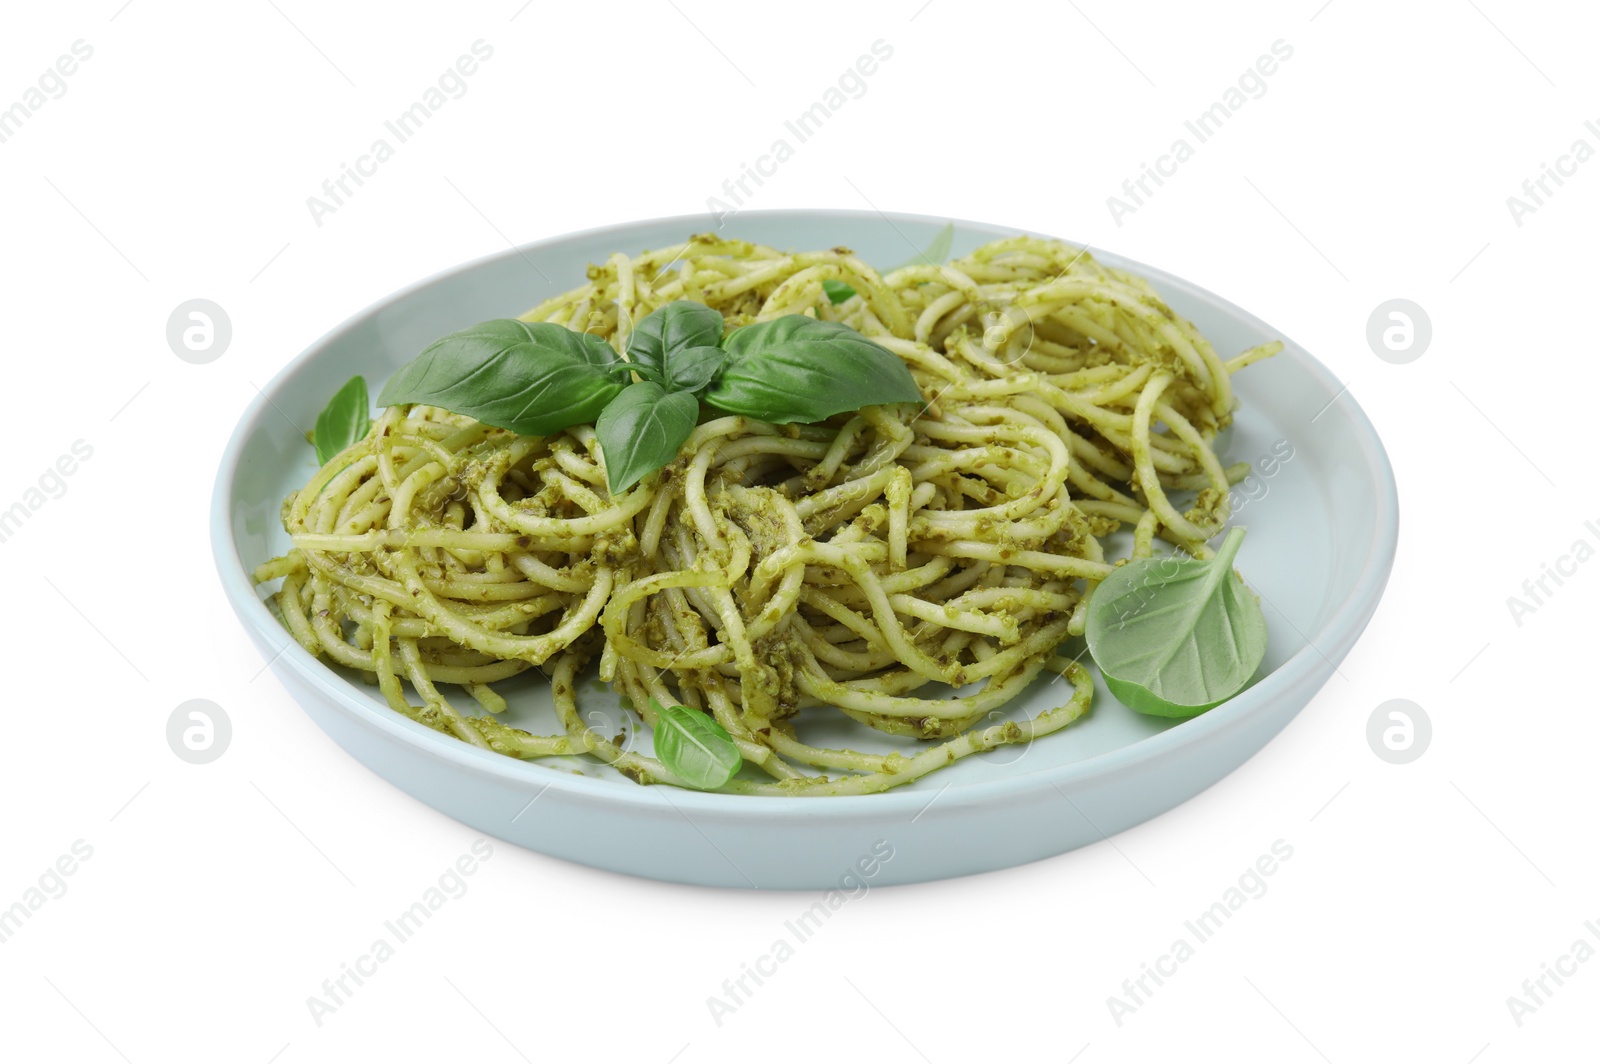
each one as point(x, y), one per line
point(343, 421)
point(694, 747)
point(641, 431)
point(796, 368)
point(665, 331)
point(691, 369)
point(534, 378)
point(935, 254)
point(1176, 636)
point(837, 291)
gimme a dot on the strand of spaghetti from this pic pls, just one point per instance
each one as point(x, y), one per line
point(532, 649)
point(294, 614)
point(1252, 356)
point(432, 699)
point(562, 529)
point(1032, 559)
point(1144, 468)
point(614, 621)
point(1185, 431)
point(944, 754)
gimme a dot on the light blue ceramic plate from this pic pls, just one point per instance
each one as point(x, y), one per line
point(1322, 539)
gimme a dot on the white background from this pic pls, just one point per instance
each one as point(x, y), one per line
point(1377, 165)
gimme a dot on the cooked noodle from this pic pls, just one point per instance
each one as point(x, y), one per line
point(770, 572)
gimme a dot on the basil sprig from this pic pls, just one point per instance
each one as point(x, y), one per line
point(537, 378)
point(1176, 636)
point(530, 377)
point(796, 368)
point(662, 340)
point(694, 747)
point(343, 421)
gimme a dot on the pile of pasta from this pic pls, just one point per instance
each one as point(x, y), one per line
point(914, 567)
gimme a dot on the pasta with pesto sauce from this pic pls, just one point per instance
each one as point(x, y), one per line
point(911, 566)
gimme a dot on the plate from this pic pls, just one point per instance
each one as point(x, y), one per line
point(1323, 518)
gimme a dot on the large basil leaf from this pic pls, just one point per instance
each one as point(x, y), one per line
point(694, 747)
point(533, 378)
point(660, 335)
point(641, 431)
point(796, 368)
point(1176, 636)
point(343, 421)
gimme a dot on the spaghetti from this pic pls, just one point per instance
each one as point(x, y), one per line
point(912, 568)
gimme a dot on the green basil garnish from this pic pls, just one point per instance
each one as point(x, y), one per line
point(641, 430)
point(796, 368)
point(538, 378)
point(532, 378)
point(1176, 636)
point(694, 747)
point(667, 331)
point(343, 421)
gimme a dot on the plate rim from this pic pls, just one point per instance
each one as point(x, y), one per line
point(1343, 625)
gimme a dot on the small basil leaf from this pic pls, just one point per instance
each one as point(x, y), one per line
point(694, 747)
point(837, 291)
point(641, 431)
point(1176, 636)
point(649, 373)
point(678, 326)
point(534, 378)
point(796, 368)
point(343, 421)
point(693, 368)
point(935, 253)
